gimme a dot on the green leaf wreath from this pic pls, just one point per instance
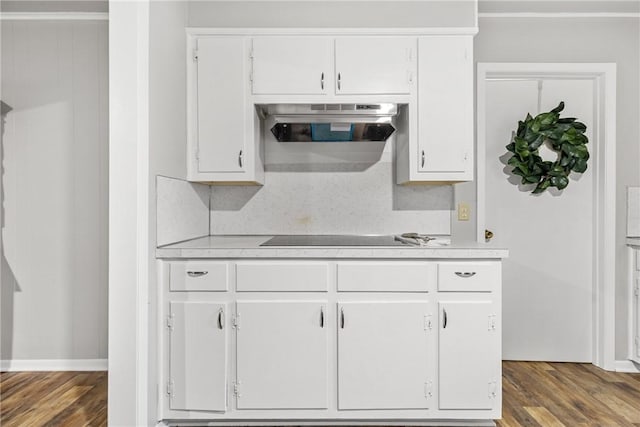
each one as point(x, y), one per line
point(566, 137)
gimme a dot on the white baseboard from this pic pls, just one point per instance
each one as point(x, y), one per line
point(53, 365)
point(627, 366)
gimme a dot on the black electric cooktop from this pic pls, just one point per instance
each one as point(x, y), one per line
point(332, 240)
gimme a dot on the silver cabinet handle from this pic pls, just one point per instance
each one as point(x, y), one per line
point(465, 273)
point(197, 273)
point(422, 163)
point(240, 154)
point(444, 320)
point(221, 319)
point(322, 81)
point(339, 80)
point(342, 318)
point(322, 317)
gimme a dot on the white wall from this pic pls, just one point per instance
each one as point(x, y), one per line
point(54, 6)
point(332, 13)
point(167, 146)
point(54, 76)
point(577, 40)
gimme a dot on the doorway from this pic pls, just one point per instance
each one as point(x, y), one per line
point(556, 306)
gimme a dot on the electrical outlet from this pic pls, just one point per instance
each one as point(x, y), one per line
point(463, 212)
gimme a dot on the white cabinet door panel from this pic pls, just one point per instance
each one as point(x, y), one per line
point(468, 276)
point(383, 355)
point(375, 65)
point(386, 276)
point(445, 104)
point(198, 276)
point(221, 103)
point(291, 65)
point(198, 356)
point(469, 360)
point(282, 276)
point(282, 354)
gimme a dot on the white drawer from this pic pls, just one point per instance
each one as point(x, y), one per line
point(468, 276)
point(282, 276)
point(199, 276)
point(386, 276)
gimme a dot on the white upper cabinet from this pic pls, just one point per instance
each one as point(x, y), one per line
point(292, 65)
point(375, 65)
point(223, 124)
point(442, 149)
point(331, 66)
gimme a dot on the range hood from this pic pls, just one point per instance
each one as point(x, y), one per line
point(330, 122)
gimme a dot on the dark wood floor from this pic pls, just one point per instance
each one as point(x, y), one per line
point(53, 399)
point(536, 394)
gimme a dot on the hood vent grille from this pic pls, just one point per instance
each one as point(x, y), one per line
point(330, 122)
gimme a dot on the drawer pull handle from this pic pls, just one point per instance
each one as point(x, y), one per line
point(339, 81)
point(444, 320)
point(322, 317)
point(220, 319)
point(197, 273)
point(342, 318)
point(422, 162)
point(322, 81)
point(240, 154)
point(465, 274)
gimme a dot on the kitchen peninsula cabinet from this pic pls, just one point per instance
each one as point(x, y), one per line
point(197, 338)
point(282, 352)
point(384, 351)
point(361, 344)
point(469, 355)
point(633, 246)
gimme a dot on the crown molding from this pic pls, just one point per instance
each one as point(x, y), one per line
point(54, 16)
point(565, 15)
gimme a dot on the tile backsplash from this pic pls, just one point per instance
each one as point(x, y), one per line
point(182, 210)
point(331, 201)
point(633, 211)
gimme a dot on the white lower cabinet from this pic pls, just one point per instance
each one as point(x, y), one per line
point(383, 355)
point(358, 341)
point(198, 356)
point(634, 342)
point(468, 355)
point(282, 351)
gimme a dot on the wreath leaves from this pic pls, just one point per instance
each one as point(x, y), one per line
point(566, 137)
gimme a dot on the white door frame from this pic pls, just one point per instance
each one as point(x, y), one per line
point(604, 192)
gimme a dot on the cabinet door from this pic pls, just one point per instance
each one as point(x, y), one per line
point(383, 355)
point(375, 65)
point(291, 65)
point(445, 104)
point(221, 105)
point(469, 357)
point(198, 356)
point(282, 355)
point(635, 345)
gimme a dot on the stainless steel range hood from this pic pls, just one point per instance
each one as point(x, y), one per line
point(330, 122)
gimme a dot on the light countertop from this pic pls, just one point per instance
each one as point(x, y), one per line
point(249, 247)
